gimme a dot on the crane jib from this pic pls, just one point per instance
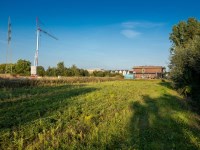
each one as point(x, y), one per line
point(48, 34)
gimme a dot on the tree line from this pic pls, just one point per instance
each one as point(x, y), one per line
point(23, 68)
point(185, 58)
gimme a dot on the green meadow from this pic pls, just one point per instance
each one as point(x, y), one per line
point(106, 115)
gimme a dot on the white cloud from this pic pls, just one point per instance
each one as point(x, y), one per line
point(132, 29)
point(132, 24)
point(130, 33)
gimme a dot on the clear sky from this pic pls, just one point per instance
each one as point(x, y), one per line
point(108, 34)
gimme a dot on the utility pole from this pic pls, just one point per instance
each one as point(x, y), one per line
point(9, 51)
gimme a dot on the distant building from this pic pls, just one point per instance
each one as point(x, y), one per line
point(129, 76)
point(96, 69)
point(148, 72)
point(123, 72)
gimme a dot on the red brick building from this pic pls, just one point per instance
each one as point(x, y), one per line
point(148, 72)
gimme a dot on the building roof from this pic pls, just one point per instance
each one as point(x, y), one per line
point(138, 67)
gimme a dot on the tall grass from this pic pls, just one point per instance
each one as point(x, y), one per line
point(28, 82)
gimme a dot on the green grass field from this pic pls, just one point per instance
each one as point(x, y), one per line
point(108, 115)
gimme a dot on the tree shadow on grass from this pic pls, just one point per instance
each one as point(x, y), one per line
point(12, 94)
point(167, 84)
point(157, 124)
point(193, 99)
point(39, 105)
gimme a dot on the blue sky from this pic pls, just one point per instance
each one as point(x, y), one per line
point(108, 34)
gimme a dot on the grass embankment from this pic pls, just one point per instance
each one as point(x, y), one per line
point(108, 115)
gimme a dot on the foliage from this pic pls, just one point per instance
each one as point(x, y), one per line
point(6, 68)
point(185, 56)
point(75, 71)
point(51, 72)
point(105, 74)
point(61, 70)
point(2, 68)
point(23, 67)
point(40, 71)
point(108, 115)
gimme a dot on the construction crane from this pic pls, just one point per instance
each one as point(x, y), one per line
point(38, 31)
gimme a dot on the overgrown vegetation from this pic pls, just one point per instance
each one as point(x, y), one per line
point(28, 82)
point(23, 67)
point(185, 58)
point(61, 70)
point(108, 115)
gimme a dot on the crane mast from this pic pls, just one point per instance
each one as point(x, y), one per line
point(38, 30)
point(37, 47)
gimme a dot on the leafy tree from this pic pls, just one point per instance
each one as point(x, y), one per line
point(185, 56)
point(51, 71)
point(6, 68)
point(83, 72)
point(105, 74)
point(68, 72)
point(41, 71)
point(98, 73)
point(184, 32)
point(60, 69)
point(23, 67)
point(75, 71)
point(2, 68)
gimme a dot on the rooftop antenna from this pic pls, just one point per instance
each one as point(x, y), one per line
point(9, 52)
point(38, 30)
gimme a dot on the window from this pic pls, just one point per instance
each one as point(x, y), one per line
point(143, 70)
